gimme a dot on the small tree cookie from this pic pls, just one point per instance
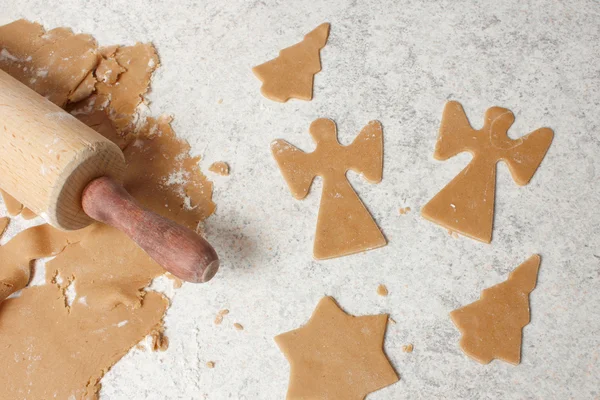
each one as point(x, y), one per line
point(291, 74)
point(492, 326)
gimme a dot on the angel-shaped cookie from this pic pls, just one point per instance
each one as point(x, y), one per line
point(344, 225)
point(466, 204)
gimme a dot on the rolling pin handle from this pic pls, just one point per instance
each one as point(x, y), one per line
point(177, 249)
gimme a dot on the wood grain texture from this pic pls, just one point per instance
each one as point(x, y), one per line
point(47, 156)
point(177, 249)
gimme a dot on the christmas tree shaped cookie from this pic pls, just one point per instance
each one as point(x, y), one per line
point(492, 326)
point(337, 356)
point(344, 225)
point(291, 74)
point(466, 204)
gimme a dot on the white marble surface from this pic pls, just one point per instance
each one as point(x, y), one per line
point(398, 62)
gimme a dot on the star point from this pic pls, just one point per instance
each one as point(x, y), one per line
point(336, 355)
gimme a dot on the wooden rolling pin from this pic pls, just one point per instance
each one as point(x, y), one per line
point(69, 174)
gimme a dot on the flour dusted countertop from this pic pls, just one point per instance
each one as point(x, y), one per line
point(397, 62)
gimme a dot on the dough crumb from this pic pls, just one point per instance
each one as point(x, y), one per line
point(382, 290)
point(159, 341)
point(408, 348)
point(238, 326)
point(210, 364)
point(404, 210)
point(392, 320)
point(220, 101)
point(220, 315)
point(219, 167)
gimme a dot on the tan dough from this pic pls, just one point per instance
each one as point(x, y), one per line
point(108, 71)
point(238, 326)
point(466, 204)
point(27, 213)
point(125, 97)
point(408, 348)
point(13, 207)
point(344, 225)
point(492, 326)
point(291, 74)
point(382, 290)
point(337, 356)
point(30, 244)
point(52, 63)
point(220, 168)
point(4, 221)
point(53, 349)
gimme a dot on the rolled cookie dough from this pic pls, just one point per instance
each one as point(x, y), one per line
point(59, 346)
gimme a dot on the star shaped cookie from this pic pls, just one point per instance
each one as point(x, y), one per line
point(337, 356)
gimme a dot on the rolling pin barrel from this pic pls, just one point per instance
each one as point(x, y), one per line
point(47, 156)
point(69, 174)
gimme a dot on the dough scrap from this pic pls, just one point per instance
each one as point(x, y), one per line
point(344, 225)
point(125, 97)
point(52, 63)
point(4, 221)
point(108, 71)
point(492, 326)
point(466, 204)
point(46, 338)
point(26, 213)
point(336, 355)
point(13, 206)
point(382, 290)
point(219, 167)
point(46, 347)
point(28, 245)
point(220, 315)
point(291, 74)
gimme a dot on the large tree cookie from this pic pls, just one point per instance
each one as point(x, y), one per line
point(291, 74)
point(344, 225)
point(337, 356)
point(466, 204)
point(492, 326)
